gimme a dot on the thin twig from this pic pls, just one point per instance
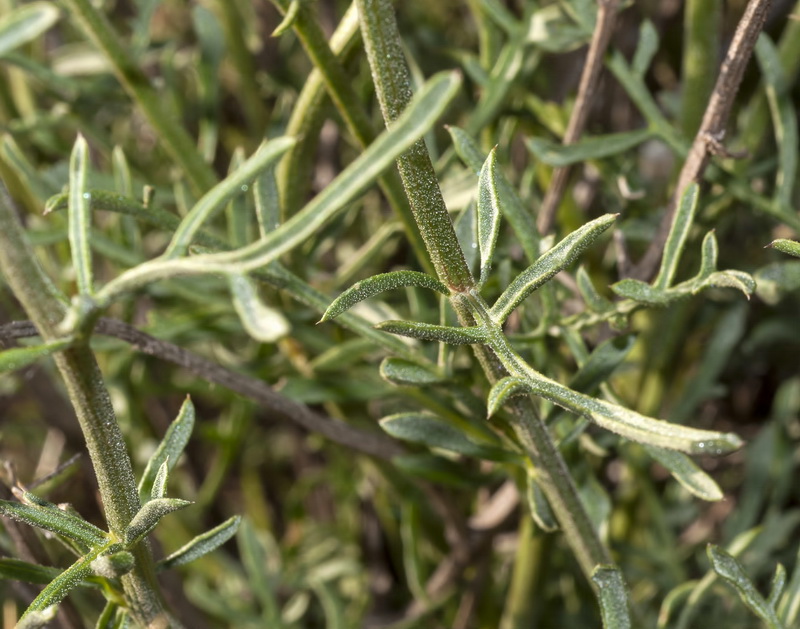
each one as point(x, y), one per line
point(606, 18)
point(373, 444)
point(712, 130)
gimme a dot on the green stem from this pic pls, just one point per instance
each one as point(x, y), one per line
point(702, 21)
point(390, 75)
point(92, 404)
point(176, 140)
point(344, 96)
point(393, 88)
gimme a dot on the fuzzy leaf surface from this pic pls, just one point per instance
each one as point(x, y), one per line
point(673, 248)
point(51, 518)
point(489, 212)
point(19, 357)
point(430, 332)
point(613, 597)
point(148, 516)
point(80, 216)
point(687, 473)
point(202, 544)
point(404, 372)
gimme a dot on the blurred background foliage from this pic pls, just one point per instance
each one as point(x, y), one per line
point(337, 539)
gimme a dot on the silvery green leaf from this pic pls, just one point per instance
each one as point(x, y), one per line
point(18, 570)
point(123, 182)
point(267, 201)
point(595, 147)
point(775, 281)
point(169, 450)
point(489, 213)
point(777, 587)
point(732, 279)
point(791, 247)
point(19, 357)
point(613, 597)
point(645, 49)
point(236, 214)
point(377, 284)
point(502, 390)
point(25, 23)
point(687, 473)
point(784, 118)
point(47, 516)
point(540, 509)
point(679, 231)
point(160, 482)
point(467, 149)
point(632, 425)
point(710, 252)
point(729, 568)
point(594, 300)
point(263, 323)
point(149, 515)
point(80, 216)
point(404, 372)
point(644, 292)
point(55, 591)
point(556, 259)
point(202, 544)
point(429, 431)
point(216, 198)
point(113, 565)
point(429, 332)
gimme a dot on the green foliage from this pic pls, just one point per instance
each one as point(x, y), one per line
point(531, 441)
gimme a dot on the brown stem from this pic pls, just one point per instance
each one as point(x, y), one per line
point(606, 18)
point(712, 130)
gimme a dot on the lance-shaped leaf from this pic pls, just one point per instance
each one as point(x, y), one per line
point(489, 213)
point(160, 482)
point(202, 544)
point(17, 570)
point(55, 591)
point(730, 279)
point(19, 357)
point(556, 259)
point(791, 247)
point(555, 154)
point(710, 253)
point(378, 284)
point(643, 292)
point(729, 568)
point(687, 473)
point(777, 586)
point(80, 216)
point(170, 448)
point(502, 390)
point(518, 214)
point(429, 431)
point(49, 517)
point(632, 425)
point(673, 248)
point(594, 300)
point(430, 332)
point(541, 512)
point(267, 201)
point(613, 597)
point(149, 515)
point(216, 198)
point(25, 23)
point(404, 372)
point(263, 323)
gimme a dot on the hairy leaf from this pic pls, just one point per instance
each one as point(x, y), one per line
point(202, 544)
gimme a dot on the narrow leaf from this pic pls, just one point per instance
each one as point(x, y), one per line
point(632, 425)
point(613, 597)
point(681, 223)
point(594, 300)
point(377, 284)
point(732, 279)
point(80, 216)
point(51, 518)
point(25, 23)
point(596, 147)
point(267, 201)
point(710, 253)
point(404, 372)
point(202, 544)
point(429, 332)
point(38, 619)
point(729, 568)
point(778, 585)
point(160, 482)
point(19, 357)
point(791, 247)
point(687, 473)
point(263, 323)
point(288, 18)
point(645, 49)
point(17, 570)
point(540, 509)
point(644, 292)
point(429, 431)
point(149, 515)
point(502, 390)
point(488, 213)
point(216, 198)
point(556, 259)
point(170, 448)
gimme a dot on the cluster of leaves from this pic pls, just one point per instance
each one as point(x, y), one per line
point(242, 268)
